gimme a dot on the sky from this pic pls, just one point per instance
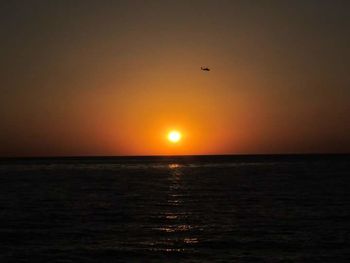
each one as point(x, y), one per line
point(114, 77)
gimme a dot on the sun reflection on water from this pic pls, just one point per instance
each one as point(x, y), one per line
point(174, 165)
point(176, 227)
point(171, 216)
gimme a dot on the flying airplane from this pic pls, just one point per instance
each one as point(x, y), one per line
point(205, 69)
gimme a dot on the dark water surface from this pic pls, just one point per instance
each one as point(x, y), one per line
point(184, 209)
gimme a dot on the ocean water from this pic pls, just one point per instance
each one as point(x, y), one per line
point(176, 209)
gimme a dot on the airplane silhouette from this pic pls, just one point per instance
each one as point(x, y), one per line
point(205, 69)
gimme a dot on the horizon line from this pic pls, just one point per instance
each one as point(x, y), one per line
point(176, 155)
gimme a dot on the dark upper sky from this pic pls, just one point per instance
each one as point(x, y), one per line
point(112, 77)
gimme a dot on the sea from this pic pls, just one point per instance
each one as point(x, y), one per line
point(239, 208)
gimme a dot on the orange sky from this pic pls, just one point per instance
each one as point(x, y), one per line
point(104, 78)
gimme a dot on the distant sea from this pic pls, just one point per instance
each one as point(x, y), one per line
point(263, 208)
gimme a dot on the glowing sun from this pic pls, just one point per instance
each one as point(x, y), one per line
point(174, 136)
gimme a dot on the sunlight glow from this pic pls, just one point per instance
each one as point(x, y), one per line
point(174, 136)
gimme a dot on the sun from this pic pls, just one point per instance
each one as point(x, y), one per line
point(174, 136)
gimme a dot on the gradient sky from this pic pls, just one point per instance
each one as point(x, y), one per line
point(112, 77)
